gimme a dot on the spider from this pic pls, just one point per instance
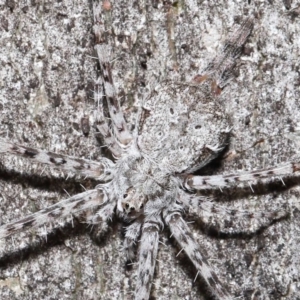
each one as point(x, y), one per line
point(180, 128)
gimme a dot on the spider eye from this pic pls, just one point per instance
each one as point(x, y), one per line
point(141, 206)
point(126, 205)
point(125, 196)
point(132, 208)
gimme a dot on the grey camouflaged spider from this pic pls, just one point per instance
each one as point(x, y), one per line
point(180, 129)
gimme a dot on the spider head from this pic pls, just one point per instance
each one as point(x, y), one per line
point(132, 204)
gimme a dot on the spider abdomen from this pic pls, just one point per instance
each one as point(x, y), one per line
point(185, 127)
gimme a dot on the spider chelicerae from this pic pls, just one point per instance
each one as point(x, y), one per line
point(180, 128)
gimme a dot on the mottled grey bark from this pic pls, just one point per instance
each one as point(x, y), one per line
point(47, 73)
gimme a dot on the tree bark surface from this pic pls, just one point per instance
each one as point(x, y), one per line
point(46, 81)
